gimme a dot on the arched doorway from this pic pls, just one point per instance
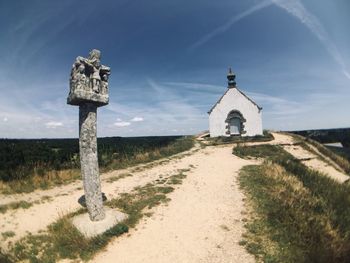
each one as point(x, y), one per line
point(235, 123)
point(235, 126)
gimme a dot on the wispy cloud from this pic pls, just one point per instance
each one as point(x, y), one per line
point(136, 119)
point(302, 113)
point(122, 123)
point(34, 20)
point(346, 73)
point(294, 8)
point(30, 114)
point(197, 87)
point(278, 106)
point(170, 101)
point(53, 124)
point(297, 9)
point(170, 110)
point(223, 28)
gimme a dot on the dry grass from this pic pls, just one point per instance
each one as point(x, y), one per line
point(14, 206)
point(118, 177)
point(289, 224)
point(7, 234)
point(62, 240)
point(50, 179)
point(178, 146)
point(296, 214)
point(342, 162)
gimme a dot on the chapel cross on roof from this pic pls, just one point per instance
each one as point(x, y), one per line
point(231, 78)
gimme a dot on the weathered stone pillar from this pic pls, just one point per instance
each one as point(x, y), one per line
point(89, 90)
point(89, 160)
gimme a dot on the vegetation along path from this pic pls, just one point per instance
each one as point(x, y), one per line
point(200, 219)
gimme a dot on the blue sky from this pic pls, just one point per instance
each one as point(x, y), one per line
point(169, 61)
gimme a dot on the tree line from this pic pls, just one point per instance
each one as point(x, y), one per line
point(21, 158)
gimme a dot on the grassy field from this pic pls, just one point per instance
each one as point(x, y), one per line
point(27, 165)
point(296, 214)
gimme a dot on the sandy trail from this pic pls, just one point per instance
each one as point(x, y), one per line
point(61, 200)
point(311, 160)
point(202, 222)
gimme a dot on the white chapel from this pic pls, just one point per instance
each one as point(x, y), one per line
point(235, 114)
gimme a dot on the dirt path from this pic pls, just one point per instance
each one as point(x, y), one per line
point(49, 205)
point(311, 160)
point(202, 222)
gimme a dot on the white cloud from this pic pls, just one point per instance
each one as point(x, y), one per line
point(5, 119)
point(137, 119)
point(122, 123)
point(53, 124)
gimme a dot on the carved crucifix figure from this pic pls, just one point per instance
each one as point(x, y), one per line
point(88, 90)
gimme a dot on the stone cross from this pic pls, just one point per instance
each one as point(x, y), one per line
point(89, 90)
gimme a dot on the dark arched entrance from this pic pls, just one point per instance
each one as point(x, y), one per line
point(235, 123)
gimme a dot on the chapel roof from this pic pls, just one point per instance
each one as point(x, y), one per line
point(232, 85)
